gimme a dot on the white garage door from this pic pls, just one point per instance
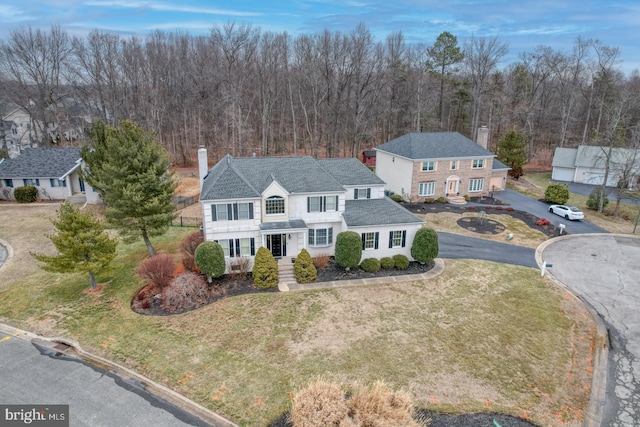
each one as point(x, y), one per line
point(562, 174)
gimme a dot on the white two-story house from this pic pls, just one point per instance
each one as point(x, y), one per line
point(289, 203)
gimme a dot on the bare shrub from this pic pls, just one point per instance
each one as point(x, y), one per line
point(187, 292)
point(321, 261)
point(239, 268)
point(320, 404)
point(378, 406)
point(189, 263)
point(189, 246)
point(158, 269)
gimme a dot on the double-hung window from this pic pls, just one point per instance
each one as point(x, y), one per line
point(398, 239)
point(55, 182)
point(231, 211)
point(427, 188)
point(428, 166)
point(361, 193)
point(478, 164)
point(322, 203)
point(30, 181)
point(454, 165)
point(8, 183)
point(238, 247)
point(370, 240)
point(320, 236)
point(475, 185)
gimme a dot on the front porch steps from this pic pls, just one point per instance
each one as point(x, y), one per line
point(456, 200)
point(286, 276)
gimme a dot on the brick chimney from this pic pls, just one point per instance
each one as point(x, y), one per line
point(482, 138)
point(203, 164)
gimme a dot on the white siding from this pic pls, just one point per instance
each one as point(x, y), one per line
point(231, 229)
point(377, 191)
point(383, 240)
point(395, 171)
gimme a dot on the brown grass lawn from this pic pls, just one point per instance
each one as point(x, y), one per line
point(479, 337)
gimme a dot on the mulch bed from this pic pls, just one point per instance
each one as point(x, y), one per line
point(334, 272)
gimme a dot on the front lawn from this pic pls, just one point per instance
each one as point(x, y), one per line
point(479, 337)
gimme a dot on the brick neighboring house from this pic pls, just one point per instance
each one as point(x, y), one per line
point(425, 165)
point(54, 171)
point(289, 203)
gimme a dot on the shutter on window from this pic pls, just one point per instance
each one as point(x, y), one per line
point(311, 237)
point(363, 234)
point(38, 182)
point(253, 246)
point(330, 235)
point(214, 215)
point(237, 247)
point(251, 211)
point(51, 182)
point(368, 193)
point(337, 203)
point(231, 251)
point(235, 211)
point(391, 239)
point(355, 193)
point(229, 211)
point(376, 241)
point(404, 238)
point(308, 204)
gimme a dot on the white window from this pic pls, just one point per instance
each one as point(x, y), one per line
point(220, 212)
point(55, 182)
point(428, 166)
point(29, 181)
point(427, 188)
point(370, 240)
point(274, 205)
point(320, 236)
point(478, 163)
point(245, 211)
point(362, 193)
point(245, 247)
point(237, 247)
point(454, 164)
point(322, 203)
point(397, 239)
point(331, 203)
point(315, 204)
point(475, 185)
point(225, 246)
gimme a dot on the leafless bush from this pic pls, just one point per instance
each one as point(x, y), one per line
point(7, 193)
point(158, 269)
point(320, 404)
point(240, 267)
point(186, 292)
point(321, 261)
point(189, 245)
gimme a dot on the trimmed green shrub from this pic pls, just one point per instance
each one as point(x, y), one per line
point(370, 265)
point(396, 198)
point(26, 194)
point(209, 258)
point(593, 202)
point(401, 262)
point(265, 269)
point(425, 245)
point(441, 199)
point(557, 193)
point(348, 249)
point(303, 268)
point(467, 198)
point(387, 263)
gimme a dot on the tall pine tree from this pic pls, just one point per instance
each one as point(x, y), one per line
point(82, 244)
point(512, 151)
point(130, 171)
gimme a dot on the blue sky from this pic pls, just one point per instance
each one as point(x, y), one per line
point(523, 24)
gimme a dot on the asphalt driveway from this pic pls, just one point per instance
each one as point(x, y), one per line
point(457, 246)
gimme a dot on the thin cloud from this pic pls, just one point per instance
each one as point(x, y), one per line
point(166, 7)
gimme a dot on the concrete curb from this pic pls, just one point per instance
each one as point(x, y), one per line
point(437, 269)
point(164, 393)
point(10, 253)
point(595, 410)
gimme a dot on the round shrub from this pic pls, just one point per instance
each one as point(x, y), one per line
point(387, 263)
point(593, 202)
point(557, 193)
point(26, 194)
point(441, 199)
point(303, 268)
point(348, 249)
point(396, 198)
point(265, 269)
point(370, 265)
point(209, 258)
point(401, 262)
point(425, 245)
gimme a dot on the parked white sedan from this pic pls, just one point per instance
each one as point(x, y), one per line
point(569, 212)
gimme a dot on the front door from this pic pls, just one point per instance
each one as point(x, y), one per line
point(452, 188)
point(277, 244)
point(81, 186)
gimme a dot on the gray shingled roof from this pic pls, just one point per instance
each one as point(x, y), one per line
point(434, 145)
point(248, 177)
point(365, 212)
point(350, 171)
point(564, 157)
point(498, 165)
point(41, 163)
point(294, 224)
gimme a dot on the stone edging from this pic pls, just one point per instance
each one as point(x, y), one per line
point(9, 249)
point(595, 410)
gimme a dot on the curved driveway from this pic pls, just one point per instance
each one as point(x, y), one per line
point(456, 246)
point(605, 271)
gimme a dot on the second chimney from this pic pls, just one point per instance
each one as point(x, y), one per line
point(482, 139)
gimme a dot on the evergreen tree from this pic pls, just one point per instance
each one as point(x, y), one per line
point(130, 171)
point(303, 268)
point(512, 151)
point(425, 245)
point(348, 249)
point(265, 269)
point(82, 244)
point(444, 53)
point(209, 257)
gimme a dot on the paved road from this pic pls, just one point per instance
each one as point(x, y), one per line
point(586, 189)
point(541, 210)
point(456, 246)
point(605, 271)
point(96, 398)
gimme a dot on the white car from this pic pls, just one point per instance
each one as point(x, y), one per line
point(569, 212)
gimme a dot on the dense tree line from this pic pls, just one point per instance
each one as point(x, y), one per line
point(242, 90)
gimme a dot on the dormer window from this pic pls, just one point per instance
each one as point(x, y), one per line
point(274, 205)
point(361, 193)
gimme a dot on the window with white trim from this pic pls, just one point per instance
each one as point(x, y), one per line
point(428, 166)
point(30, 181)
point(397, 239)
point(55, 182)
point(370, 240)
point(322, 203)
point(454, 165)
point(238, 247)
point(478, 164)
point(475, 185)
point(231, 211)
point(8, 183)
point(274, 205)
point(427, 188)
point(361, 193)
point(320, 236)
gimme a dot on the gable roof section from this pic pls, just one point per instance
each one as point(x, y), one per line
point(434, 145)
point(248, 177)
point(498, 165)
point(41, 163)
point(564, 157)
point(370, 212)
point(350, 171)
point(590, 156)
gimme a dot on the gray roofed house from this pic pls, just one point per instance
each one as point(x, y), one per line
point(54, 171)
point(587, 163)
point(424, 165)
point(287, 204)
